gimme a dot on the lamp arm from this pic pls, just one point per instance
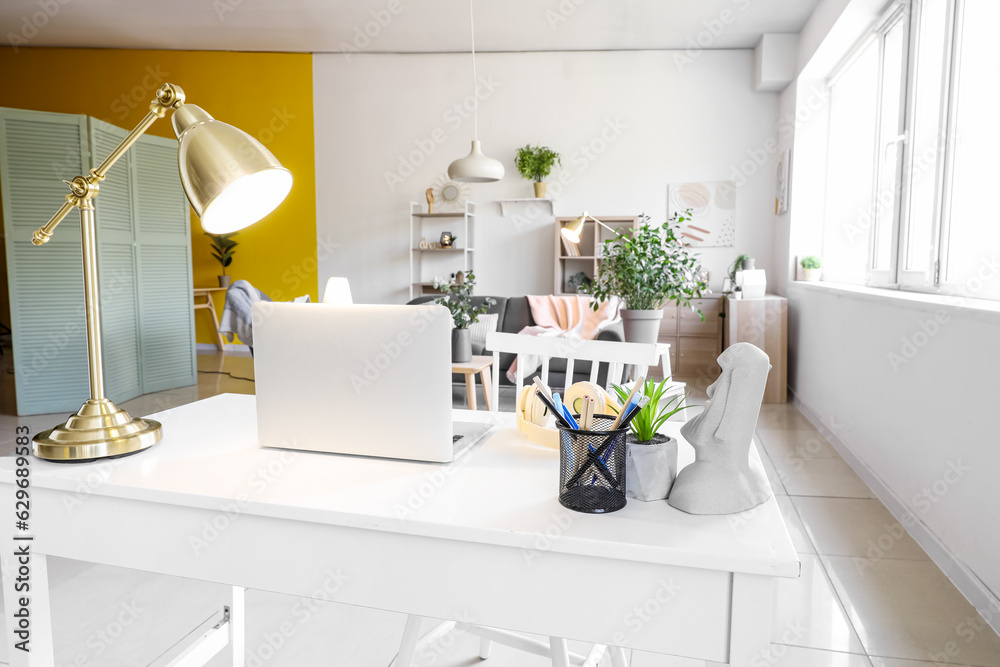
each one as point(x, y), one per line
point(84, 188)
point(587, 215)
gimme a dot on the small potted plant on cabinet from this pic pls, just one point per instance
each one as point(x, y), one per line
point(457, 298)
point(651, 460)
point(812, 267)
point(223, 250)
point(647, 267)
point(535, 163)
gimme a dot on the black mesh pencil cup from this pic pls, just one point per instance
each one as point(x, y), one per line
point(592, 467)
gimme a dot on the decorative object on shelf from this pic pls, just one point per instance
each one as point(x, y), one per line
point(724, 479)
point(457, 298)
point(450, 196)
point(737, 265)
point(447, 239)
point(781, 184)
point(580, 282)
point(231, 181)
point(753, 283)
point(475, 167)
point(430, 200)
point(651, 461)
point(222, 251)
point(812, 268)
point(535, 163)
point(710, 208)
point(646, 267)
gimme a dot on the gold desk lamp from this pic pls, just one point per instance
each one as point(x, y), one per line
point(571, 230)
point(231, 180)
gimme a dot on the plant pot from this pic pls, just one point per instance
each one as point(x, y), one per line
point(461, 346)
point(650, 467)
point(641, 326)
point(225, 280)
point(812, 274)
point(540, 190)
point(749, 263)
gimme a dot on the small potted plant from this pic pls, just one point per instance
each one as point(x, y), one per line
point(651, 461)
point(812, 267)
point(647, 267)
point(580, 282)
point(535, 163)
point(222, 251)
point(457, 298)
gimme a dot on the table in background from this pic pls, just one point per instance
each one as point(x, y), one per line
point(209, 305)
point(469, 369)
point(488, 544)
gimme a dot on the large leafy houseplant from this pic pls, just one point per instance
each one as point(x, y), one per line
point(535, 162)
point(648, 267)
point(457, 298)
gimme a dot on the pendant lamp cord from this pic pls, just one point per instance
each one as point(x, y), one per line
point(475, 78)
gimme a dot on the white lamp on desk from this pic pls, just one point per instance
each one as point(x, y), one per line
point(338, 292)
point(231, 180)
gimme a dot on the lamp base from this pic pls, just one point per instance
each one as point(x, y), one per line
point(99, 430)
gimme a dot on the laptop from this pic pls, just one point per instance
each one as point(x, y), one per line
point(369, 380)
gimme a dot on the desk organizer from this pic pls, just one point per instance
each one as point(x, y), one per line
point(592, 467)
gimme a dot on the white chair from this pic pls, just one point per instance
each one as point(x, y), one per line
point(618, 356)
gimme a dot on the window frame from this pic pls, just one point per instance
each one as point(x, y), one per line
point(897, 276)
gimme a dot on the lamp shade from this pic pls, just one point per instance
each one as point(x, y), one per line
point(231, 180)
point(475, 167)
point(338, 292)
point(571, 230)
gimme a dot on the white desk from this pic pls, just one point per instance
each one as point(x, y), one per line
point(483, 540)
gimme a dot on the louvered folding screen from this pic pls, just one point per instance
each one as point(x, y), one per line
point(37, 150)
point(144, 253)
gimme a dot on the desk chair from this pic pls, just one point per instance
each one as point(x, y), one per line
point(618, 356)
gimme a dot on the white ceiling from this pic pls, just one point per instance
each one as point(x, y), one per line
point(418, 26)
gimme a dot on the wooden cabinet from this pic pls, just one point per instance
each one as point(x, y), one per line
point(695, 343)
point(586, 256)
point(764, 323)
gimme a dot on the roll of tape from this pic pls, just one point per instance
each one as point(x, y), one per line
point(602, 399)
point(533, 419)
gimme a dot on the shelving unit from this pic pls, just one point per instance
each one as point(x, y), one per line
point(590, 242)
point(506, 204)
point(429, 263)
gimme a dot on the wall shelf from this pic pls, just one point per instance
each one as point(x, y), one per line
point(512, 203)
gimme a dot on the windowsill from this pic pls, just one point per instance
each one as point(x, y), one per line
point(982, 309)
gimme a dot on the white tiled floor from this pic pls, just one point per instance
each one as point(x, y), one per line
point(868, 595)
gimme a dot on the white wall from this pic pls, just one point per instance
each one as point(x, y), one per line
point(627, 124)
point(905, 385)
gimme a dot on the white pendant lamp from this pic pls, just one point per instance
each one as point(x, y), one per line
point(475, 167)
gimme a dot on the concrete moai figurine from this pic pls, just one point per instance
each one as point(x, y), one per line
point(723, 479)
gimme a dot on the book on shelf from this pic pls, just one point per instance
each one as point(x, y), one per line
point(569, 249)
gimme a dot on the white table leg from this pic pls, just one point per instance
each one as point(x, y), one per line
point(237, 624)
point(39, 607)
point(560, 650)
point(750, 632)
point(485, 648)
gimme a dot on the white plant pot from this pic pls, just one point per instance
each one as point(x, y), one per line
point(812, 274)
point(650, 468)
point(641, 326)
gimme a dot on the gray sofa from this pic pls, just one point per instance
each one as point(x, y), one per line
point(515, 314)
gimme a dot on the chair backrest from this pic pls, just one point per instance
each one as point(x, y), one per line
point(615, 354)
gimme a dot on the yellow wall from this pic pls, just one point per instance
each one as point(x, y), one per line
point(268, 95)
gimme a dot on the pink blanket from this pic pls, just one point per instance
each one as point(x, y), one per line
point(564, 317)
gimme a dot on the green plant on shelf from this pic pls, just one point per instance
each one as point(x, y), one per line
point(457, 298)
point(223, 248)
point(536, 162)
point(811, 262)
point(649, 266)
point(736, 266)
point(653, 415)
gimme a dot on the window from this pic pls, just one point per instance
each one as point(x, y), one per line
point(910, 178)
